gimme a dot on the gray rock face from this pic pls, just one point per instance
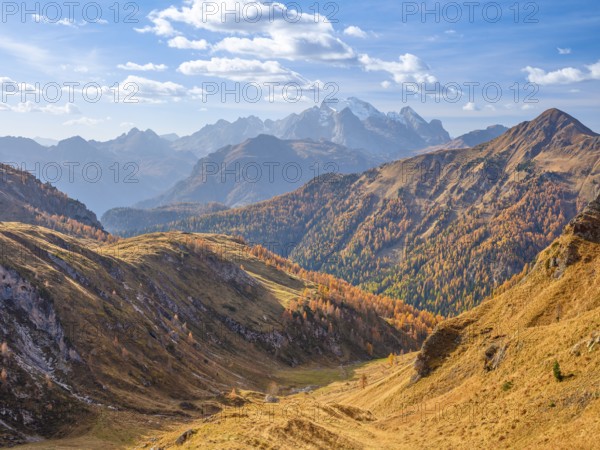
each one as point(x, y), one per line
point(39, 354)
point(271, 399)
point(184, 437)
point(37, 313)
point(587, 224)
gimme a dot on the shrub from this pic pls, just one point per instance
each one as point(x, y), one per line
point(557, 373)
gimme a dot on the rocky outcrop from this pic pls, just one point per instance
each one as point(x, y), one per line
point(438, 346)
point(587, 224)
point(37, 365)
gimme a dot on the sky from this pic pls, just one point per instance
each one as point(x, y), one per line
point(97, 69)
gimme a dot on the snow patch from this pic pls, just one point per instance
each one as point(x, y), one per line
point(359, 108)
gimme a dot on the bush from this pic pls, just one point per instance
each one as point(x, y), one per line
point(507, 385)
point(557, 373)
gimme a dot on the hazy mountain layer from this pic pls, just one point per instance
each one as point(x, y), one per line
point(130, 168)
point(122, 221)
point(470, 139)
point(261, 168)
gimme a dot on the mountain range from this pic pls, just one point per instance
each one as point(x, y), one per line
point(352, 123)
point(103, 175)
point(122, 220)
point(439, 230)
point(141, 168)
point(470, 139)
point(178, 339)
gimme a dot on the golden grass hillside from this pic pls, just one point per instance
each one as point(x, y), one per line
point(162, 325)
point(486, 379)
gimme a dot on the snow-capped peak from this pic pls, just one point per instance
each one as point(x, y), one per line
point(396, 117)
point(411, 115)
point(359, 108)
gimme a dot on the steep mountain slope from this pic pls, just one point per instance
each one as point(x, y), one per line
point(121, 221)
point(25, 199)
point(439, 230)
point(166, 324)
point(261, 168)
point(470, 139)
point(352, 122)
point(521, 370)
point(220, 134)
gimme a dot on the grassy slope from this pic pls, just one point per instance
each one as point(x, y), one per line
point(459, 404)
point(163, 324)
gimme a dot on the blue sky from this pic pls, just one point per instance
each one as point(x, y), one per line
point(176, 54)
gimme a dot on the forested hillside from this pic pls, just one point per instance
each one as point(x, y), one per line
point(440, 230)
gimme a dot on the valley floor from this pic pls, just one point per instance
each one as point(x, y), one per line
point(375, 407)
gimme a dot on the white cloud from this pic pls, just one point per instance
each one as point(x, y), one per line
point(385, 84)
point(196, 92)
point(27, 53)
point(566, 75)
point(470, 106)
point(151, 91)
point(563, 51)
point(184, 43)
point(66, 109)
point(76, 68)
point(29, 107)
point(355, 31)
point(127, 125)
point(258, 29)
point(14, 91)
point(289, 46)
point(37, 18)
point(277, 30)
point(594, 70)
point(243, 70)
point(161, 27)
point(85, 121)
point(561, 76)
point(408, 68)
point(143, 67)
point(65, 22)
